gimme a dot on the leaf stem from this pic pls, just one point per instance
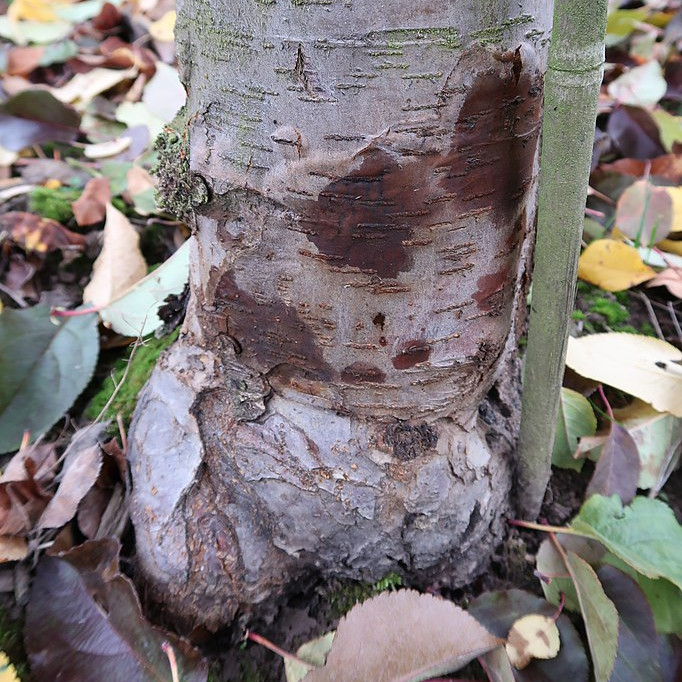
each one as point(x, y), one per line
point(168, 650)
point(530, 525)
point(259, 639)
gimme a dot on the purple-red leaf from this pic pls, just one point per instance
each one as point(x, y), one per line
point(637, 659)
point(618, 468)
point(84, 622)
point(635, 133)
point(36, 116)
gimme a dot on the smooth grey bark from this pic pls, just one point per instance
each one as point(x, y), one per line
point(344, 398)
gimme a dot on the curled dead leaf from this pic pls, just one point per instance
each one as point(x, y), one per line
point(533, 636)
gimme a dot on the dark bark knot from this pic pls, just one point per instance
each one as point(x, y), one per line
point(410, 441)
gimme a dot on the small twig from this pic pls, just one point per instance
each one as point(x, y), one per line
point(485, 668)
point(258, 639)
point(168, 650)
point(560, 608)
point(674, 320)
point(122, 432)
point(60, 312)
point(530, 525)
point(652, 315)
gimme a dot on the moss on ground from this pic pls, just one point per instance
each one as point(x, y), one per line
point(347, 596)
point(53, 203)
point(12, 643)
point(141, 367)
point(603, 311)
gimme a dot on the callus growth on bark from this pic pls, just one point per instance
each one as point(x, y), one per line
point(357, 282)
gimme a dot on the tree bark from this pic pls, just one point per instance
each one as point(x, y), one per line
point(344, 397)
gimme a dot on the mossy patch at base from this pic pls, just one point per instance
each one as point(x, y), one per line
point(141, 367)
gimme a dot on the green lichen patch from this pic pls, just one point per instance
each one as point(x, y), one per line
point(180, 191)
point(141, 367)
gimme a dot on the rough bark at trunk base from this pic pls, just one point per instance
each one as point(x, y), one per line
point(357, 285)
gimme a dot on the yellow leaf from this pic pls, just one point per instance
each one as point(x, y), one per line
point(120, 263)
point(612, 265)
point(533, 636)
point(676, 195)
point(35, 10)
point(7, 670)
point(671, 246)
point(162, 29)
point(642, 366)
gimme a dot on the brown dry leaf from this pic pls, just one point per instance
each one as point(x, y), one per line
point(120, 263)
point(21, 504)
point(403, 636)
point(22, 60)
point(91, 206)
point(612, 265)
point(37, 234)
point(670, 278)
point(77, 478)
point(533, 636)
point(639, 365)
point(12, 548)
point(41, 459)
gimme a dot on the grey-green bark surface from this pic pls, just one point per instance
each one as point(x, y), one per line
point(358, 280)
point(572, 85)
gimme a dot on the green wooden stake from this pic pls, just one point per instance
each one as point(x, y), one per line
point(572, 84)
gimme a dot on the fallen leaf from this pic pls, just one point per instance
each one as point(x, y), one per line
point(498, 611)
point(644, 213)
point(84, 622)
point(637, 657)
point(44, 367)
point(498, 668)
point(102, 150)
point(612, 265)
point(119, 265)
point(641, 86)
point(24, 32)
point(39, 459)
point(22, 60)
point(645, 534)
point(12, 548)
point(659, 260)
point(664, 168)
point(313, 652)
point(34, 10)
point(21, 504)
point(404, 636)
point(574, 420)
point(76, 478)
point(638, 365)
point(164, 95)
point(618, 468)
point(136, 311)
point(664, 598)
point(162, 29)
point(91, 205)
point(39, 235)
point(675, 194)
point(671, 278)
point(34, 117)
point(634, 133)
point(84, 87)
point(8, 672)
point(135, 114)
point(670, 127)
point(532, 636)
point(599, 615)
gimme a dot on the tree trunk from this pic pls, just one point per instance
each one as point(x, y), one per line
point(344, 398)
